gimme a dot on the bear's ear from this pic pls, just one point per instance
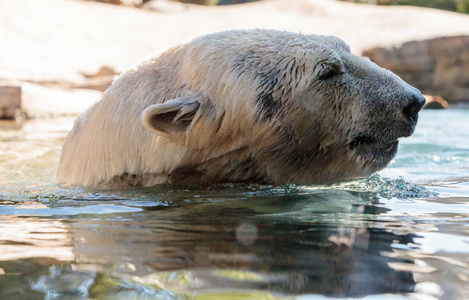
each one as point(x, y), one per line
point(172, 118)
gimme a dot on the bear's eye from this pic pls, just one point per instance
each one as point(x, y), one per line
point(327, 74)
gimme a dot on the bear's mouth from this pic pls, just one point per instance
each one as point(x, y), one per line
point(375, 151)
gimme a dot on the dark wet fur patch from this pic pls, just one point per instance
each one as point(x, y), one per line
point(268, 77)
point(267, 106)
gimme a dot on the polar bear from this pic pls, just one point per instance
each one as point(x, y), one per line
point(263, 106)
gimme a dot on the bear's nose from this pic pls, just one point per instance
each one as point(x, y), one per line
point(415, 105)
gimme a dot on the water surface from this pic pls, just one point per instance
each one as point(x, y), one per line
point(402, 234)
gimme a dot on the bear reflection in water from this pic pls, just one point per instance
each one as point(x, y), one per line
point(277, 244)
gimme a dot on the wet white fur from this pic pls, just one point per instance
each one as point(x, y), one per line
point(113, 142)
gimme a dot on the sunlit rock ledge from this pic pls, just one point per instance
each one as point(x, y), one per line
point(57, 41)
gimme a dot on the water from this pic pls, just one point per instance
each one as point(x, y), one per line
point(386, 237)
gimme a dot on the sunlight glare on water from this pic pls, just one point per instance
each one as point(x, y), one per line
point(402, 234)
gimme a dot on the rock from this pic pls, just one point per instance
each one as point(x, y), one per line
point(10, 101)
point(106, 71)
point(436, 66)
point(99, 81)
point(435, 102)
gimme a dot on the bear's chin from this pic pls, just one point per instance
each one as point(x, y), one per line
point(374, 153)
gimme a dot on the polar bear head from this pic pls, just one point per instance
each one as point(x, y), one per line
point(306, 108)
point(243, 106)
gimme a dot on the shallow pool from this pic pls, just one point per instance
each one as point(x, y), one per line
point(400, 237)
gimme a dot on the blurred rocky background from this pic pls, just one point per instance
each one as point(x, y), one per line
point(57, 56)
point(437, 66)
